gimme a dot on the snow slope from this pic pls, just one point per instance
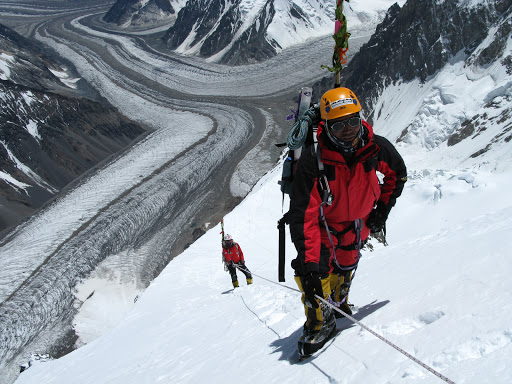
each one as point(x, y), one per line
point(441, 289)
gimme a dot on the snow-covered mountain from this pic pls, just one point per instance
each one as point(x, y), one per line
point(440, 291)
point(49, 135)
point(127, 13)
point(242, 31)
point(473, 57)
point(245, 31)
point(458, 44)
point(474, 33)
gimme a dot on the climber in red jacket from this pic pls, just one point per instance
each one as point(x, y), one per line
point(333, 210)
point(233, 258)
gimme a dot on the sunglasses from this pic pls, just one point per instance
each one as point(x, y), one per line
point(339, 126)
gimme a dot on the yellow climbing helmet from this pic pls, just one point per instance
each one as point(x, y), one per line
point(338, 102)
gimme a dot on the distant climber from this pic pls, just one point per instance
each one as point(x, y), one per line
point(233, 258)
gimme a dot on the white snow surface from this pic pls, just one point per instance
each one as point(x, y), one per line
point(5, 71)
point(12, 181)
point(65, 79)
point(441, 290)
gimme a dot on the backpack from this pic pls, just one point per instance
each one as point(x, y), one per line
point(302, 134)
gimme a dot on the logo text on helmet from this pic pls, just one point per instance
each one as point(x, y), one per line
point(338, 103)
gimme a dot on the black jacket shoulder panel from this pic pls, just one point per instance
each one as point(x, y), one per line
point(394, 161)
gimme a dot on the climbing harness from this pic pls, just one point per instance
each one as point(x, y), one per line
point(354, 320)
point(327, 199)
point(356, 246)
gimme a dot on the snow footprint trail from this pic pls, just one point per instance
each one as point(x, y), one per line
point(465, 355)
point(265, 303)
point(477, 348)
point(272, 307)
point(406, 326)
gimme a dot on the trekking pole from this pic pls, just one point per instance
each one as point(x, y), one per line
point(417, 361)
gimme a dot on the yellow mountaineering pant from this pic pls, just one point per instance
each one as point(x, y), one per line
point(315, 316)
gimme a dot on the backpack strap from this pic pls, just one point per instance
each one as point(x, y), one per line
point(327, 196)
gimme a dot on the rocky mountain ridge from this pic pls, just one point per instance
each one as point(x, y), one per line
point(414, 43)
point(239, 32)
point(49, 134)
point(403, 48)
point(212, 26)
point(141, 12)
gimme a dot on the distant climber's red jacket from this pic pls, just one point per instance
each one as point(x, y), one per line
point(356, 191)
point(233, 253)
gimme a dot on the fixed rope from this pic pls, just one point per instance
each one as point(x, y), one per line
point(417, 361)
point(354, 320)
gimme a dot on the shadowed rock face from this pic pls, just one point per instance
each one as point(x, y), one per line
point(47, 139)
point(28, 65)
point(212, 21)
point(137, 12)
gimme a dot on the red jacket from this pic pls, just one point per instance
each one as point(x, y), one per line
point(233, 253)
point(355, 188)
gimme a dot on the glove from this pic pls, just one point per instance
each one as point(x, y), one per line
point(312, 285)
point(232, 263)
point(377, 219)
